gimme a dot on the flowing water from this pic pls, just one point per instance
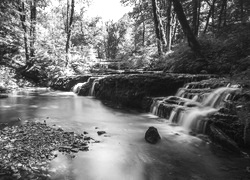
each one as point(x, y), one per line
point(122, 153)
point(191, 106)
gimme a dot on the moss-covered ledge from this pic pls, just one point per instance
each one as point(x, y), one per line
point(132, 90)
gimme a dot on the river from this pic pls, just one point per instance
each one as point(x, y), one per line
point(122, 153)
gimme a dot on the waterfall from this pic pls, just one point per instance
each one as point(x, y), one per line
point(155, 106)
point(77, 87)
point(176, 115)
point(193, 104)
point(194, 118)
point(92, 90)
point(217, 96)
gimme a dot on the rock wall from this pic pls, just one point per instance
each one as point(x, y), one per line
point(132, 90)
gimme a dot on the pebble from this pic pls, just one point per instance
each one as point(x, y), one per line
point(35, 145)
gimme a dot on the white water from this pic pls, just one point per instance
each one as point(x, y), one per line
point(155, 106)
point(78, 86)
point(210, 105)
point(91, 92)
point(218, 96)
point(192, 118)
point(205, 105)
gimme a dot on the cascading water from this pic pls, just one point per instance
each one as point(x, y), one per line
point(77, 87)
point(217, 96)
point(194, 103)
point(87, 88)
point(155, 106)
point(195, 118)
point(92, 90)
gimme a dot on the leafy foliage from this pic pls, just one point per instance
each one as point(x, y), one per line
point(34, 47)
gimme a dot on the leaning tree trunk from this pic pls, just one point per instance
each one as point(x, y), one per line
point(175, 24)
point(192, 41)
point(69, 29)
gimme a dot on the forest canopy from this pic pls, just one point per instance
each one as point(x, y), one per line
point(44, 39)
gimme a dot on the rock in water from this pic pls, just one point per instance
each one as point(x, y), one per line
point(101, 133)
point(152, 136)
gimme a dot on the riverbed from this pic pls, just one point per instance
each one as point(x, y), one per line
point(122, 153)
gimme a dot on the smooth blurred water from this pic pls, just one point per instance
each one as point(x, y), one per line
point(122, 153)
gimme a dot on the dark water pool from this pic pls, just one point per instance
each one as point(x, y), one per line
point(122, 153)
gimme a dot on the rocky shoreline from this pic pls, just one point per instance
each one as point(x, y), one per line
point(26, 150)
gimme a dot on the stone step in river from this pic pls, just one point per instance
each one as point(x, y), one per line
point(194, 103)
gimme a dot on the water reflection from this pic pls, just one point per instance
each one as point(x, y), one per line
point(122, 154)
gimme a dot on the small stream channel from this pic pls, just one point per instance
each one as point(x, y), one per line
point(122, 153)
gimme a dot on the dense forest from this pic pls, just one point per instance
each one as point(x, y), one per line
point(44, 39)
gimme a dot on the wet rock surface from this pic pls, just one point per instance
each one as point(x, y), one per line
point(101, 132)
point(67, 83)
point(152, 136)
point(26, 150)
point(131, 90)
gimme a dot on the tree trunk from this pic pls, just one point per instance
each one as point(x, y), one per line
point(23, 21)
point(223, 5)
point(207, 20)
point(198, 18)
point(143, 24)
point(174, 28)
point(33, 13)
point(210, 14)
point(192, 41)
point(159, 30)
point(69, 31)
point(67, 17)
point(169, 25)
point(143, 34)
point(195, 14)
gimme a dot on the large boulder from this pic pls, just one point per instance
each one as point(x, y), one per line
point(152, 136)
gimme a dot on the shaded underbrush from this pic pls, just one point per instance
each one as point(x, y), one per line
point(226, 53)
